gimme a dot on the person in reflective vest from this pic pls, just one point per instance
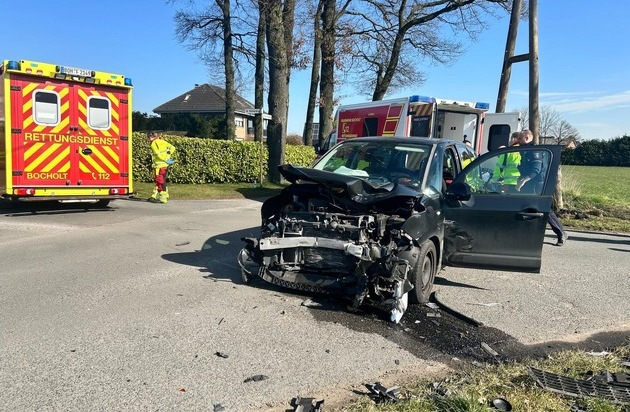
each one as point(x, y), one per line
point(506, 171)
point(162, 158)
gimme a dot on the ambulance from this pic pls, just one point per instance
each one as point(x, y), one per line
point(424, 116)
point(66, 133)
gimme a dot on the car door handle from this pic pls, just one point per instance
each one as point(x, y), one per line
point(530, 215)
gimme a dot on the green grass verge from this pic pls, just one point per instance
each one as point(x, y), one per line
point(211, 191)
point(473, 389)
point(596, 198)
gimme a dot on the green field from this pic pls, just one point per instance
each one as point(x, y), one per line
point(596, 198)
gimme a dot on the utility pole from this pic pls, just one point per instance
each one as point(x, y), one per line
point(531, 56)
point(508, 57)
point(534, 114)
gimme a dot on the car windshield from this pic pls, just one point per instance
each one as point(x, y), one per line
point(379, 162)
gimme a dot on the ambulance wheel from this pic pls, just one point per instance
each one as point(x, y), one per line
point(423, 273)
point(102, 202)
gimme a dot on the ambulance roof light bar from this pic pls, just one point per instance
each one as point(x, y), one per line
point(421, 99)
point(482, 106)
point(13, 65)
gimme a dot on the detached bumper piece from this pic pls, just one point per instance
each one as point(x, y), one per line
point(612, 392)
point(379, 393)
point(307, 405)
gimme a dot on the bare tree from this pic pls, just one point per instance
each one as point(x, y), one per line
point(279, 44)
point(209, 31)
point(391, 37)
point(307, 135)
point(259, 76)
point(552, 124)
point(564, 131)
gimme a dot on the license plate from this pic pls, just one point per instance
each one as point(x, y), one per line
point(75, 71)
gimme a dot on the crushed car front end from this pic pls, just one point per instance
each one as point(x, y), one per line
point(337, 234)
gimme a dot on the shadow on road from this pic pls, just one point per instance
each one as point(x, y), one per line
point(428, 333)
point(20, 209)
point(445, 282)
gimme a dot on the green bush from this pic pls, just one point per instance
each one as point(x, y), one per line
point(212, 161)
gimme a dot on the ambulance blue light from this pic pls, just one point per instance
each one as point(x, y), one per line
point(423, 99)
point(482, 106)
point(13, 65)
point(128, 81)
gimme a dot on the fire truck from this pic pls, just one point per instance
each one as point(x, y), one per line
point(66, 133)
point(424, 116)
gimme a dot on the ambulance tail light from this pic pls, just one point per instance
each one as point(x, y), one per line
point(24, 192)
point(118, 191)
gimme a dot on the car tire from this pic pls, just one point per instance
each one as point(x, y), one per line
point(102, 203)
point(423, 273)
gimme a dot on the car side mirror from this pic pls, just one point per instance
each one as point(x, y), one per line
point(458, 191)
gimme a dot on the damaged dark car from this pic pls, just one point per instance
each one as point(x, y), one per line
point(375, 219)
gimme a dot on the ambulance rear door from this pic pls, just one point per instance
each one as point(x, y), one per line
point(68, 134)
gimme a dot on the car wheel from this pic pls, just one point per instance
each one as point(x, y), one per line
point(423, 273)
point(102, 202)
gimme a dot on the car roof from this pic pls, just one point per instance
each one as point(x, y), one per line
point(402, 139)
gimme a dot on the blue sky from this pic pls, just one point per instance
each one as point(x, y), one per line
point(584, 51)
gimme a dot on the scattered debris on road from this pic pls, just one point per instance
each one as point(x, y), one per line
point(307, 405)
point(222, 355)
point(500, 404)
point(379, 393)
point(256, 378)
point(489, 350)
point(564, 385)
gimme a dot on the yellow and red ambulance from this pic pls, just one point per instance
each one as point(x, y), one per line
point(425, 116)
point(67, 133)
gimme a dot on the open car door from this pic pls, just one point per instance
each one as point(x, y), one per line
point(489, 224)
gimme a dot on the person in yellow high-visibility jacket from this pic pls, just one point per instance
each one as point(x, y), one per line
point(506, 171)
point(162, 158)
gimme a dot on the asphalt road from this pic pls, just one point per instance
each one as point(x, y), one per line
point(125, 308)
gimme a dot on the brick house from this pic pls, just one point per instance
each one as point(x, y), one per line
point(208, 101)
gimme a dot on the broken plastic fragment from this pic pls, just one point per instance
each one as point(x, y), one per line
point(222, 355)
point(400, 302)
point(309, 303)
point(500, 404)
point(379, 393)
point(256, 378)
point(488, 349)
point(307, 404)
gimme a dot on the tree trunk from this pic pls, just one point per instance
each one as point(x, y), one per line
point(327, 83)
point(278, 99)
point(383, 82)
point(230, 128)
point(259, 76)
point(307, 136)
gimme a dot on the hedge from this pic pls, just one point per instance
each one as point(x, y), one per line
point(212, 161)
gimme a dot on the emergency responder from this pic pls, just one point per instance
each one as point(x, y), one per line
point(506, 171)
point(532, 180)
point(162, 159)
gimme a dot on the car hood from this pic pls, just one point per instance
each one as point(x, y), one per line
point(355, 188)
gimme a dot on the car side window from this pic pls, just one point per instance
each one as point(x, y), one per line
point(449, 168)
point(511, 173)
point(466, 154)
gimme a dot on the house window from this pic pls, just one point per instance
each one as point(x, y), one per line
point(239, 122)
point(46, 108)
